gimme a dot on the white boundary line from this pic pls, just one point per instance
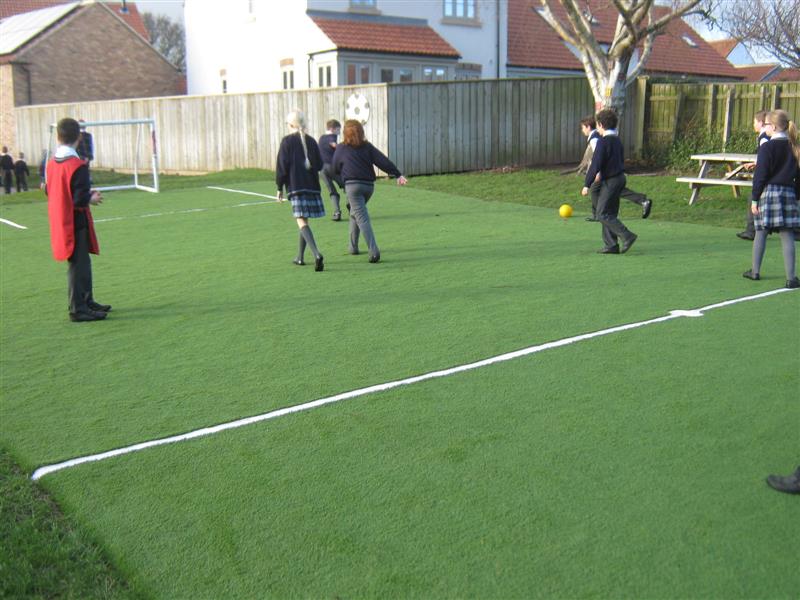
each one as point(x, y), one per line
point(675, 314)
point(17, 225)
point(273, 200)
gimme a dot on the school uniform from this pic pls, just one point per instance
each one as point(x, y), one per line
point(750, 229)
point(328, 176)
point(355, 166)
point(21, 173)
point(626, 193)
point(776, 186)
point(302, 185)
point(72, 234)
point(609, 161)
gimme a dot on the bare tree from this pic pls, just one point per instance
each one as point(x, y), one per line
point(167, 37)
point(771, 25)
point(607, 66)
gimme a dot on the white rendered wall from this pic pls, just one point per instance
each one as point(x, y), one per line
point(248, 39)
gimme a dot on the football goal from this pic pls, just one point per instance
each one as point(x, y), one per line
point(127, 145)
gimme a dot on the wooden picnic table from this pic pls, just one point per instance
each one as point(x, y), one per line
point(737, 176)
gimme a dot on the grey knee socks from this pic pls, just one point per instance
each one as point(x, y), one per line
point(759, 245)
point(308, 237)
point(787, 243)
point(302, 248)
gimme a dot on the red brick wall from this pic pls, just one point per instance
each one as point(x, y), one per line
point(92, 55)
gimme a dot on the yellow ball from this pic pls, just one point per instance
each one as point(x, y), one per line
point(565, 211)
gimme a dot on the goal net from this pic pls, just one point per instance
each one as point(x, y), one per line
point(126, 146)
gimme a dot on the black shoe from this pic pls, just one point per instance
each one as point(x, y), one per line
point(789, 484)
point(647, 206)
point(318, 263)
point(750, 275)
point(793, 283)
point(298, 262)
point(746, 235)
point(612, 250)
point(592, 219)
point(89, 315)
point(354, 252)
point(374, 259)
point(626, 245)
point(99, 307)
point(337, 216)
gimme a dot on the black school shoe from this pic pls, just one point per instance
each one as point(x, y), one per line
point(793, 283)
point(746, 235)
point(298, 262)
point(375, 259)
point(626, 245)
point(750, 275)
point(319, 264)
point(337, 216)
point(89, 315)
point(611, 250)
point(789, 484)
point(647, 206)
point(96, 306)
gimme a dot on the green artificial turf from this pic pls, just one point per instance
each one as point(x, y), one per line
point(629, 466)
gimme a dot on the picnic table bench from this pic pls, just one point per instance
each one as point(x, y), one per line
point(737, 176)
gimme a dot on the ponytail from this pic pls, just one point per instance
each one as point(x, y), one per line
point(791, 133)
point(297, 120)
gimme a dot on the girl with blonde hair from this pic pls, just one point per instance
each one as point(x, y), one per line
point(776, 188)
point(297, 171)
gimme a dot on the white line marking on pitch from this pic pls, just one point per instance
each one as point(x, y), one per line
point(17, 225)
point(273, 200)
point(675, 314)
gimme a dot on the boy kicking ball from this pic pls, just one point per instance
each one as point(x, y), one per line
point(608, 168)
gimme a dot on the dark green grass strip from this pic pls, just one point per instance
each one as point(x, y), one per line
point(627, 466)
point(42, 553)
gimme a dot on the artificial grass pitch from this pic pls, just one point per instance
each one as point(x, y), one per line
point(630, 465)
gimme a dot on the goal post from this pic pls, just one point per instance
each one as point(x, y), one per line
point(142, 140)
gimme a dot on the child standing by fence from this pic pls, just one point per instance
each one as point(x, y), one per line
point(327, 146)
point(297, 170)
point(608, 167)
point(21, 173)
point(776, 187)
point(749, 232)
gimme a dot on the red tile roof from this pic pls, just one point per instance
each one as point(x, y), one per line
point(533, 43)
point(391, 38)
point(9, 8)
point(758, 72)
point(724, 47)
point(787, 75)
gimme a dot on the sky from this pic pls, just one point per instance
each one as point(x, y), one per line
point(171, 8)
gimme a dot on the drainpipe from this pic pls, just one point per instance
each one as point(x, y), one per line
point(497, 27)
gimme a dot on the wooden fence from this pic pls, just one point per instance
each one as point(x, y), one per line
point(721, 108)
point(423, 127)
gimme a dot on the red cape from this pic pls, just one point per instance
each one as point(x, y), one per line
point(61, 209)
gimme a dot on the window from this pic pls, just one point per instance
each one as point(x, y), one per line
point(324, 76)
point(362, 3)
point(460, 9)
point(328, 76)
point(224, 86)
point(689, 41)
point(387, 75)
point(433, 74)
point(357, 74)
point(406, 75)
point(288, 79)
point(320, 80)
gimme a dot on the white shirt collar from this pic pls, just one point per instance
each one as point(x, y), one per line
point(66, 151)
point(779, 135)
point(610, 132)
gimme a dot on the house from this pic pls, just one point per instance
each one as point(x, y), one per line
point(321, 43)
point(73, 52)
point(736, 53)
point(317, 43)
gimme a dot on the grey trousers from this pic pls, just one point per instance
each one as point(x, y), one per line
point(79, 273)
point(608, 209)
point(626, 193)
point(329, 179)
point(358, 194)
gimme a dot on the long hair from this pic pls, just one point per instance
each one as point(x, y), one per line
point(297, 120)
point(353, 133)
point(781, 122)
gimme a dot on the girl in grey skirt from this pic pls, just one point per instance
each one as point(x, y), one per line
point(354, 161)
point(776, 186)
point(297, 170)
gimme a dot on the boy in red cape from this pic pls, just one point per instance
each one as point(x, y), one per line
point(72, 235)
